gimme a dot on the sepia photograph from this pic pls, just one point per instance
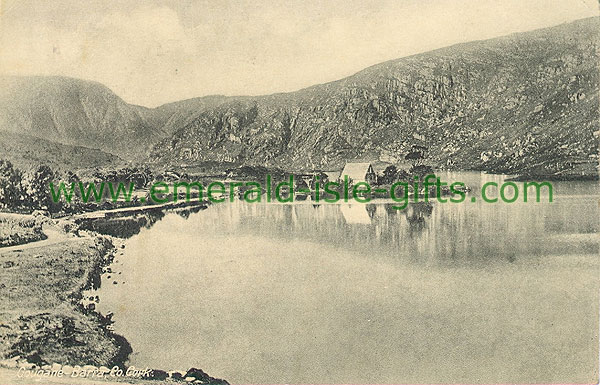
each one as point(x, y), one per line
point(223, 192)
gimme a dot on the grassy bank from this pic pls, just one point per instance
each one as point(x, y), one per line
point(19, 229)
point(39, 304)
point(43, 322)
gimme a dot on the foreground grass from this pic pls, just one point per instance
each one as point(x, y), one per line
point(43, 322)
point(40, 314)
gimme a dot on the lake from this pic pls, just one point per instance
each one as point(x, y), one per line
point(363, 293)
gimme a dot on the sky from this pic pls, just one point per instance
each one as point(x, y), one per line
point(152, 52)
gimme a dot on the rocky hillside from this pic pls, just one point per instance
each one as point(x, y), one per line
point(526, 103)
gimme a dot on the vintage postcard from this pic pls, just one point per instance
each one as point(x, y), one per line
point(299, 192)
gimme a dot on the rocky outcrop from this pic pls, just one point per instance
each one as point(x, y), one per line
point(525, 103)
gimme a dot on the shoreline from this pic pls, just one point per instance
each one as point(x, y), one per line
point(555, 178)
point(47, 327)
point(88, 252)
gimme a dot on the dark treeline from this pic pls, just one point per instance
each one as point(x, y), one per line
point(27, 191)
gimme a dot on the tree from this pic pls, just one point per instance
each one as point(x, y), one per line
point(418, 169)
point(421, 171)
point(11, 189)
point(389, 174)
point(402, 175)
point(76, 205)
point(39, 189)
point(416, 154)
point(72, 177)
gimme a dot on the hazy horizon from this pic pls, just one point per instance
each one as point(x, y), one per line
point(162, 51)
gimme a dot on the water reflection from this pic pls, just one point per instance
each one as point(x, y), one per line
point(130, 225)
point(415, 215)
point(357, 214)
point(324, 293)
point(446, 233)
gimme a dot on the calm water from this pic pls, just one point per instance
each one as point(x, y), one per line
point(303, 293)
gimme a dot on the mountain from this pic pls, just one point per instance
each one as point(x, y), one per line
point(173, 116)
point(72, 112)
point(26, 152)
point(521, 104)
point(525, 103)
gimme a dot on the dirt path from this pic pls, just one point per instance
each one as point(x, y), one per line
point(53, 236)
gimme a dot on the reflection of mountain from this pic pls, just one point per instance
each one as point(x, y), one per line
point(128, 226)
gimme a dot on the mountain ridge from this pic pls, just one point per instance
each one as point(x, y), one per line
point(497, 105)
point(524, 103)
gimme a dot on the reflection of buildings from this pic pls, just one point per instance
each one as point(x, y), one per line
point(356, 214)
point(466, 233)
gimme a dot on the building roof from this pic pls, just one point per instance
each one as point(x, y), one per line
point(356, 171)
